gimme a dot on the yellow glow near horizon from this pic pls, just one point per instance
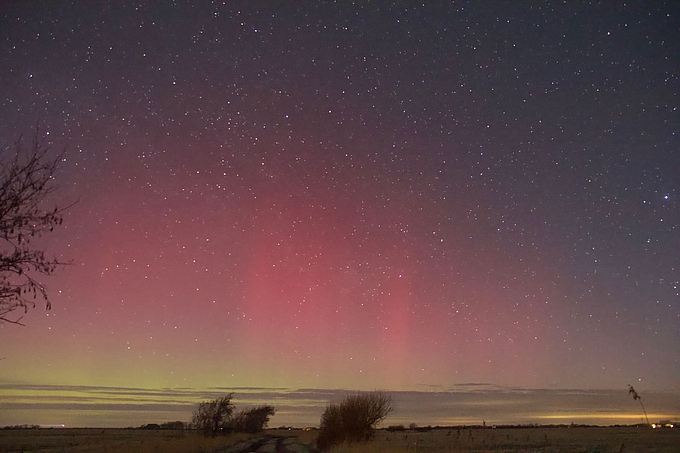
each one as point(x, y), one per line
point(597, 415)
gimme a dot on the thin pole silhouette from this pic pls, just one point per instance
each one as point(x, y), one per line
point(631, 391)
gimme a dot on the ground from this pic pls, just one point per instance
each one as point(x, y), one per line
point(439, 440)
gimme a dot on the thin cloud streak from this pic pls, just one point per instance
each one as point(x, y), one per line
point(91, 406)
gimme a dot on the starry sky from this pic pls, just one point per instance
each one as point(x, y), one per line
point(351, 195)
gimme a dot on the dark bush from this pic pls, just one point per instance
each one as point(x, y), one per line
point(253, 420)
point(354, 419)
point(151, 426)
point(178, 425)
point(214, 416)
point(331, 428)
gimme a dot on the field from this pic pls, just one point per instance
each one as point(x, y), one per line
point(74, 440)
point(544, 439)
point(443, 440)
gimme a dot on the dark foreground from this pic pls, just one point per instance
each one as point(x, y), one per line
point(441, 440)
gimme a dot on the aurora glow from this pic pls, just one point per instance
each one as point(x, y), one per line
point(350, 196)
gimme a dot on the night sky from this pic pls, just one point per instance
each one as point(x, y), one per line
point(352, 195)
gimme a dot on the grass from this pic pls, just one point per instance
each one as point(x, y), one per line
point(73, 440)
point(440, 440)
point(566, 440)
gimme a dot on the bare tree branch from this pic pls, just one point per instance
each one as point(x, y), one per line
point(26, 179)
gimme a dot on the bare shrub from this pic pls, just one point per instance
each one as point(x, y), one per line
point(354, 419)
point(217, 417)
point(214, 416)
point(331, 428)
point(252, 420)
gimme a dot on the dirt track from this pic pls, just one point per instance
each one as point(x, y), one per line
point(273, 444)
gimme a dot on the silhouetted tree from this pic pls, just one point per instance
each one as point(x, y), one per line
point(26, 176)
point(212, 417)
point(354, 419)
point(252, 420)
